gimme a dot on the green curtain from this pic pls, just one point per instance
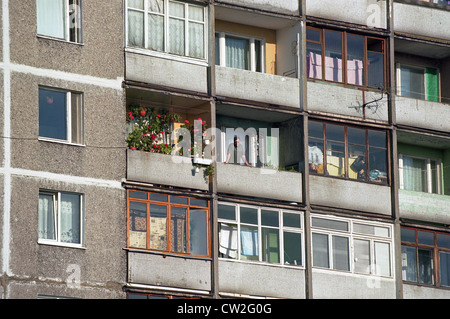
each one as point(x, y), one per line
point(432, 79)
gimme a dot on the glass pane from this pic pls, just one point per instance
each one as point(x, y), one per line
point(155, 32)
point(377, 138)
point(50, 18)
point(270, 245)
point(378, 165)
point(196, 40)
point(320, 250)
point(335, 132)
point(70, 231)
point(228, 241)
point(196, 13)
point(425, 266)
point(362, 256)
point(315, 155)
point(138, 4)
point(77, 118)
point(178, 235)
point(249, 215)
point(434, 176)
point(315, 129)
point(159, 197)
point(52, 114)
point(217, 49)
point(314, 60)
point(135, 28)
point(357, 162)
point(158, 227)
point(335, 150)
point(409, 264)
point(375, 45)
point(340, 253)
point(138, 225)
point(382, 259)
point(237, 53)
point(249, 243)
point(176, 9)
point(176, 36)
point(313, 35)
point(269, 218)
point(333, 56)
point(199, 202)
point(425, 238)
point(444, 262)
point(156, 6)
point(291, 220)
point(227, 212)
point(356, 136)
point(371, 230)
point(414, 174)
point(46, 224)
point(258, 58)
point(408, 235)
point(375, 69)
point(355, 59)
point(329, 223)
point(292, 248)
point(412, 82)
point(443, 240)
point(198, 232)
point(179, 200)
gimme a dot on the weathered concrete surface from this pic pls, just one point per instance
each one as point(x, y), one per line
point(259, 182)
point(421, 292)
point(290, 7)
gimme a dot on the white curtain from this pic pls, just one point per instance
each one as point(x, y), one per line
point(50, 18)
point(414, 174)
point(237, 53)
point(176, 28)
point(70, 218)
point(46, 223)
point(135, 28)
point(155, 32)
point(196, 32)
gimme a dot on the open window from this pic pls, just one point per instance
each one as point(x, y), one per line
point(418, 82)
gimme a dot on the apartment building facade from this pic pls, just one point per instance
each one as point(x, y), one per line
point(217, 149)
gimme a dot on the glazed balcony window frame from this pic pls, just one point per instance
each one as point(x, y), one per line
point(350, 149)
point(188, 19)
point(170, 224)
point(339, 48)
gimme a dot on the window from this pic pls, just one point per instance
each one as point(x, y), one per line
point(167, 26)
point(425, 257)
point(59, 19)
point(61, 115)
point(345, 57)
point(168, 223)
point(240, 52)
point(260, 234)
point(60, 218)
point(351, 245)
point(418, 82)
point(348, 152)
point(420, 174)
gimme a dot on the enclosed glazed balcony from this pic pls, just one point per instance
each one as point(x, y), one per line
point(256, 60)
point(423, 84)
point(424, 177)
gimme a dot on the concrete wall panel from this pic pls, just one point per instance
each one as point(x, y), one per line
point(290, 7)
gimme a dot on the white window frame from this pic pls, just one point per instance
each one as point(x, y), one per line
point(352, 236)
point(281, 228)
point(56, 195)
point(165, 53)
point(429, 172)
point(399, 67)
point(69, 119)
point(72, 19)
point(222, 49)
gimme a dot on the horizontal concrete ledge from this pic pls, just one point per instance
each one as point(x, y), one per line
point(424, 206)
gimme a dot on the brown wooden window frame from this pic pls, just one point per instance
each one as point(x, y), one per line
point(344, 51)
point(436, 249)
point(169, 207)
point(324, 139)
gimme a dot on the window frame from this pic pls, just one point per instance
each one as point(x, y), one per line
point(56, 201)
point(435, 254)
point(344, 58)
point(165, 52)
point(168, 206)
point(281, 231)
point(222, 35)
point(70, 121)
point(424, 70)
point(346, 143)
point(428, 160)
point(353, 235)
point(77, 36)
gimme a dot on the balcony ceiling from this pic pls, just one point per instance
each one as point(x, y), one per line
point(428, 50)
point(255, 114)
point(253, 18)
point(425, 140)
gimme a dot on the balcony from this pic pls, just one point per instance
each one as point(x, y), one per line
point(257, 61)
point(285, 7)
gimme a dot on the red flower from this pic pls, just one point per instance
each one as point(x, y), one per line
point(162, 132)
point(204, 122)
point(187, 122)
point(166, 145)
point(131, 115)
point(142, 112)
point(159, 148)
point(158, 115)
point(153, 136)
point(199, 118)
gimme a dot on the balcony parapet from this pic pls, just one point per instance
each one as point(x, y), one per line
point(424, 206)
